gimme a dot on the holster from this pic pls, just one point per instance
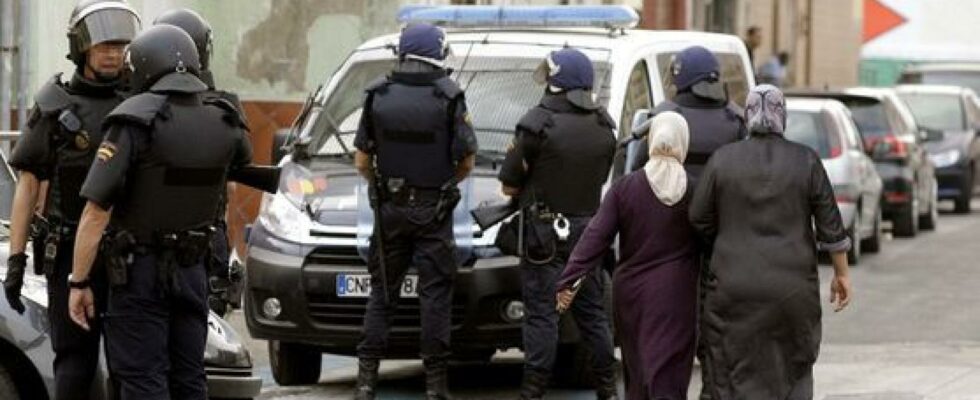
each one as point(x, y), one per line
point(179, 250)
point(118, 250)
point(449, 197)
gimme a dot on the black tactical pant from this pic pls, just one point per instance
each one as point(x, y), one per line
point(541, 319)
point(156, 333)
point(218, 269)
point(412, 237)
point(76, 350)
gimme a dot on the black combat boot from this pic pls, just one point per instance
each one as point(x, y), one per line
point(436, 379)
point(367, 378)
point(605, 384)
point(534, 385)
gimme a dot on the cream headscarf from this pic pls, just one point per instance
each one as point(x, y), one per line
point(669, 139)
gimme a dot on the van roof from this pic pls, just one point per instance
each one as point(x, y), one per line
point(930, 89)
point(594, 38)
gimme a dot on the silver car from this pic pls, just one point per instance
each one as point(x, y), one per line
point(825, 125)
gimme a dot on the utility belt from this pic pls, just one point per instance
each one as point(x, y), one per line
point(173, 250)
point(547, 233)
point(446, 197)
point(49, 234)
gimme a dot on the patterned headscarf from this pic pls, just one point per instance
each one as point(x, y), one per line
point(765, 110)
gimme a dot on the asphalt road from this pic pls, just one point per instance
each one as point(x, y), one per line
point(912, 332)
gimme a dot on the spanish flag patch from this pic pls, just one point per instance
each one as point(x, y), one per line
point(107, 150)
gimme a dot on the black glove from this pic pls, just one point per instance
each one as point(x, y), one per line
point(16, 265)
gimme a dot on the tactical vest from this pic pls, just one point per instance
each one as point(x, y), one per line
point(184, 149)
point(411, 121)
point(78, 121)
point(575, 154)
point(710, 128)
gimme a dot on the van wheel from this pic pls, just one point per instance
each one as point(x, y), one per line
point(294, 364)
point(573, 366)
point(906, 223)
point(8, 390)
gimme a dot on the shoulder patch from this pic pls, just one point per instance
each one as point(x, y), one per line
point(140, 109)
point(448, 87)
point(535, 120)
point(232, 114)
point(106, 151)
point(52, 97)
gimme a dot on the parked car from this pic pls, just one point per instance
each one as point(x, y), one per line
point(26, 356)
point(951, 115)
point(825, 125)
point(910, 190)
point(306, 275)
point(943, 73)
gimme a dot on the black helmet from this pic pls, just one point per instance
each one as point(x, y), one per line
point(196, 26)
point(99, 21)
point(164, 58)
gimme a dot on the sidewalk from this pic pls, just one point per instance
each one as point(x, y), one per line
point(949, 371)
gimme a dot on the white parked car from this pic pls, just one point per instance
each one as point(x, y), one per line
point(825, 125)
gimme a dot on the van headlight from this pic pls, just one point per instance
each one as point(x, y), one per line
point(283, 219)
point(945, 158)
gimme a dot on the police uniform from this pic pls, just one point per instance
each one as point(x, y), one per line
point(417, 127)
point(161, 169)
point(58, 145)
point(568, 148)
point(219, 276)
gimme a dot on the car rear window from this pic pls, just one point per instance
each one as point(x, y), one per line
point(870, 118)
point(810, 128)
point(955, 78)
point(942, 112)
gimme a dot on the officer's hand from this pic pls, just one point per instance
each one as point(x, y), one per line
point(564, 299)
point(81, 306)
point(16, 265)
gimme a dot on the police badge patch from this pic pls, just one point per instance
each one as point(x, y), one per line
point(82, 140)
point(107, 150)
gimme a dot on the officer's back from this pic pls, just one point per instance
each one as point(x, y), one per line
point(703, 102)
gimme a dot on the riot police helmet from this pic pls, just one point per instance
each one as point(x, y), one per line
point(697, 70)
point(164, 58)
point(570, 71)
point(423, 42)
point(196, 26)
point(99, 21)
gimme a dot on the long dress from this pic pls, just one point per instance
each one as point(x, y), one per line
point(654, 284)
point(759, 201)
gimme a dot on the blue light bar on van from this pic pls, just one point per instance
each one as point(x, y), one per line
point(609, 17)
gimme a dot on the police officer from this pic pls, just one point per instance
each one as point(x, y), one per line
point(160, 169)
point(560, 159)
point(714, 121)
point(702, 99)
point(414, 143)
point(220, 279)
point(57, 147)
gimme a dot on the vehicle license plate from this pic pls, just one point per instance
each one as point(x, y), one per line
point(359, 285)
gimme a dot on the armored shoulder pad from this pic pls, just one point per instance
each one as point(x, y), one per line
point(377, 85)
point(448, 87)
point(52, 97)
point(232, 115)
point(666, 105)
point(604, 118)
point(140, 109)
point(535, 120)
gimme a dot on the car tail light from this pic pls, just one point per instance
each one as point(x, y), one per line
point(894, 147)
point(835, 151)
point(898, 197)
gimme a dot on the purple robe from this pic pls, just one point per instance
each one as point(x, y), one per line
point(654, 284)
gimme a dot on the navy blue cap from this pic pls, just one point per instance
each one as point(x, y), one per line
point(423, 40)
point(567, 69)
point(693, 65)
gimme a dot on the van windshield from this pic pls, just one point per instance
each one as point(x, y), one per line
point(499, 90)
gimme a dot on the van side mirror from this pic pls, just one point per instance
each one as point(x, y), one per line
point(279, 148)
point(638, 129)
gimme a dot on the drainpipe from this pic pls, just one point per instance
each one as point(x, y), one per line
point(24, 66)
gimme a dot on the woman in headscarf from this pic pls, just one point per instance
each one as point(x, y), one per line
point(758, 203)
point(655, 282)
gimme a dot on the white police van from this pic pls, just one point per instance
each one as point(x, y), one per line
point(307, 281)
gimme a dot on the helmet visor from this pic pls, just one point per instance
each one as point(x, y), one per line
point(107, 25)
